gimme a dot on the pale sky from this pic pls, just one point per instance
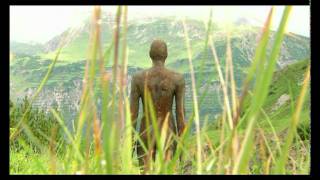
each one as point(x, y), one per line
point(41, 23)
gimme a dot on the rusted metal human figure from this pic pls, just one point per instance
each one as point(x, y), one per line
point(164, 85)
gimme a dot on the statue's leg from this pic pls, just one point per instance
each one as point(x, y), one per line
point(172, 148)
point(143, 154)
point(140, 154)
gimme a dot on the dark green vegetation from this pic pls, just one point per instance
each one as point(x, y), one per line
point(40, 121)
point(262, 139)
point(24, 152)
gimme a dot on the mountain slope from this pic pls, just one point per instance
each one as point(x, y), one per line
point(23, 49)
point(140, 35)
point(282, 97)
point(64, 85)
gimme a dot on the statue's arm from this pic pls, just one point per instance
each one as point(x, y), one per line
point(134, 101)
point(180, 110)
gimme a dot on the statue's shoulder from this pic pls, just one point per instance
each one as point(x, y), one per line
point(180, 79)
point(177, 76)
point(138, 75)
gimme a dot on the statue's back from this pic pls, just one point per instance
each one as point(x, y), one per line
point(161, 83)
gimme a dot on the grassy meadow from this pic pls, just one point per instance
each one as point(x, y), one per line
point(249, 136)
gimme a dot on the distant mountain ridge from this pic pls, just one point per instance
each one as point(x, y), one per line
point(140, 35)
point(20, 48)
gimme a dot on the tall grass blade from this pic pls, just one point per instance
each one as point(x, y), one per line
point(195, 101)
point(260, 92)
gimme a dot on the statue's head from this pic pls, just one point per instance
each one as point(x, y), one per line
point(158, 50)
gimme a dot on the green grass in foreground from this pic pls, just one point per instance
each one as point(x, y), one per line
point(236, 144)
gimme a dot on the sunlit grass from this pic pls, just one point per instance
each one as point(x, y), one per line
point(103, 144)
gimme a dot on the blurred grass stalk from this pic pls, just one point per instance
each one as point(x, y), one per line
point(261, 88)
point(195, 100)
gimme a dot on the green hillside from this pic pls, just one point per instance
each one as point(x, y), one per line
point(139, 37)
point(281, 101)
point(22, 49)
point(27, 70)
point(287, 83)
